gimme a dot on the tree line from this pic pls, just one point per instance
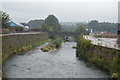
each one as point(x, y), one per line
point(102, 26)
point(97, 26)
point(51, 24)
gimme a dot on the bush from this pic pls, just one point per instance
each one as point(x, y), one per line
point(82, 47)
point(45, 49)
point(57, 42)
point(48, 48)
point(116, 67)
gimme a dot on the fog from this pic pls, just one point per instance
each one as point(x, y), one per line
point(65, 11)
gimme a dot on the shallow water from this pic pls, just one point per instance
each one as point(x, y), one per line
point(61, 63)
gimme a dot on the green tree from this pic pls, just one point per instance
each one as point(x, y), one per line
point(19, 28)
point(93, 25)
point(35, 23)
point(102, 26)
point(35, 29)
point(44, 27)
point(5, 19)
point(80, 29)
point(53, 23)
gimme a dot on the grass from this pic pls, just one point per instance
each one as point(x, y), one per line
point(55, 43)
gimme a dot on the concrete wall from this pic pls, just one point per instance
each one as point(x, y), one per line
point(11, 42)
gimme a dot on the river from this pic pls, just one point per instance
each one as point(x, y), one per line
point(61, 63)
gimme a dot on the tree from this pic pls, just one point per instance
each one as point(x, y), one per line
point(35, 23)
point(80, 29)
point(52, 22)
point(93, 25)
point(44, 27)
point(102, 26)
point(5, 19)
point(19, 28)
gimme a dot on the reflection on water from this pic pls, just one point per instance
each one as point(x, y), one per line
point(61, 63)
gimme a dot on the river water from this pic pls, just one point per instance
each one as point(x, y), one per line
point(61, 63)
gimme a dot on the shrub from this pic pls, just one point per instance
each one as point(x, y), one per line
point(57, 42)
point(48, 47)
point(23, 48)
point(116, 66)
point(82, 47)
point(15, 51)
point(45, 49)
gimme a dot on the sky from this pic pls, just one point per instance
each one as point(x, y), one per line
point(65, 10)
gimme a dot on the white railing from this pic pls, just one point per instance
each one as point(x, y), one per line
point(106, 42)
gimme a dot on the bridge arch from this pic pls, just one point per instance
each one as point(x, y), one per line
point(63, 34)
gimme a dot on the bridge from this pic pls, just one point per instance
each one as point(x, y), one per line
point(63, 34)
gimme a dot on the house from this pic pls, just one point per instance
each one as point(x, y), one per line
point(24, 26)
point(12, 26)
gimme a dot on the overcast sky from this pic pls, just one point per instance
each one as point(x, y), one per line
point(64, 10)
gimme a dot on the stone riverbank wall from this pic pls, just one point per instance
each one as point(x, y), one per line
point(13, 43)
point(103, 57)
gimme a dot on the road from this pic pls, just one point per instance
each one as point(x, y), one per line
point(61, 63)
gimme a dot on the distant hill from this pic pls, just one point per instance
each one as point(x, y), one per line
point(71, 26)
point(71, 23)
point(95, 25)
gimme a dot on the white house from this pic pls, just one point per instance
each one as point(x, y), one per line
point(24, 26)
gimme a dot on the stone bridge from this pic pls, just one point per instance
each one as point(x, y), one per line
point(63, 34)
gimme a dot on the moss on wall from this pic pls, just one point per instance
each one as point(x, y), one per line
point(103, 57)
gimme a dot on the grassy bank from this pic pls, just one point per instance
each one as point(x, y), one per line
point(54, 43)
point(102, 57)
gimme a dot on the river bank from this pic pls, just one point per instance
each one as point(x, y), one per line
point(103, 57)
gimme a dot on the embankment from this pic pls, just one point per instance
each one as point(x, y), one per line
point(103, 57)
point(13, 43)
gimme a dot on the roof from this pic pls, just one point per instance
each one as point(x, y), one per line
point(12, 24)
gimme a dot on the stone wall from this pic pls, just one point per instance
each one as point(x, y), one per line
point(103, 57)
point(11, 42)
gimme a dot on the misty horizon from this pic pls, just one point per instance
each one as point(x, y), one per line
point(64, 11)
